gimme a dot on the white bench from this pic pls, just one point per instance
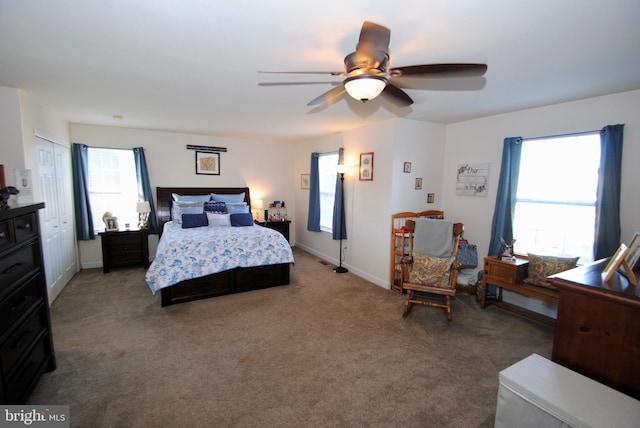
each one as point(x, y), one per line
point(536, 392)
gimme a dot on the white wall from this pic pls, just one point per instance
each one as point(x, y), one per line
point(369, 204)
point(481, 141)
point(265, 167)
point(12, 154)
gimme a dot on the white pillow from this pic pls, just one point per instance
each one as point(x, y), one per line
point(218, 220)
point(183, 207)
point(228, 198)
point(191, 198)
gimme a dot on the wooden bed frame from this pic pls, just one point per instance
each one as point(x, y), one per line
point(232, 281)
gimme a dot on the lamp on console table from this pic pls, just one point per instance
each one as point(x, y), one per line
point(143, 209)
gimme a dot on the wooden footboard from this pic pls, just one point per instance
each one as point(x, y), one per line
point(232, 281)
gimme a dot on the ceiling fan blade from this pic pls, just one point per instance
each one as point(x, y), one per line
point(374, 37)
point(396, 95)
point(327, 96)
point(440, 70)
point(332, 73)
point(297, 83)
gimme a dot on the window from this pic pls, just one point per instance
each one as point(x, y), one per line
point(555, 202)
point(113, 186)
point(327, 164)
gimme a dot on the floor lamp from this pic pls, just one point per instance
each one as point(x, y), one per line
point(341, 170)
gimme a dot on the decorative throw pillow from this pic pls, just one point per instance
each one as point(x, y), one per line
point(241, 219)
point(540, 267)
point(181, 207)
point(432, 271)
point(194, 220)
point(218, 220)
point(236, 207)
point(216, 207)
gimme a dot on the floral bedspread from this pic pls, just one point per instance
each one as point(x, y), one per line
point(191, 253)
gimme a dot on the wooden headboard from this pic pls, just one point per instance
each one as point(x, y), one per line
point(163, 196)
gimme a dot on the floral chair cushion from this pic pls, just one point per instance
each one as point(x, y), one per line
point(431, 271)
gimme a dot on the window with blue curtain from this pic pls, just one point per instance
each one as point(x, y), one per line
point(560, 195)
point(113, 181)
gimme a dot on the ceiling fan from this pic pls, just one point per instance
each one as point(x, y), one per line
point(367, 74)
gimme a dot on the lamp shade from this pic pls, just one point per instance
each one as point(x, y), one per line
point(257, 204)
point(341, 169)
point(143, 207)
point(365, 88)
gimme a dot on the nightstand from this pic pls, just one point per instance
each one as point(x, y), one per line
point(280, 226)
point(125, 248)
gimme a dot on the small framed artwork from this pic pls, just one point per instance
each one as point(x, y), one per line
point(633, 256)
point(407, 167)
point(208, 163)
point(110, 223)
point(305, 180)
point(615, 262)
point(418, 183)
point(366, 166)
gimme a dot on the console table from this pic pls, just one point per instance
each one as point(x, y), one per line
point(510, 275)
point(598, 328)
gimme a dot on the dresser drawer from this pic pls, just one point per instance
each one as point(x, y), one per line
point(124, 239)
point(126, 257)
point(18, 265)
point(20, 340)
point(6, 237)
point(27, 372)
point(25, 227)
point(20, 302)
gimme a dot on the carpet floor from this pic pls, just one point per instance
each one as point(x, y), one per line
point(328, 350)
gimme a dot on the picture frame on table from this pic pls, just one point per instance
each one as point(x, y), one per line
point(111, 224)
point(208, 163)
point(366, 167)
point(633, 255)
point(619, 260)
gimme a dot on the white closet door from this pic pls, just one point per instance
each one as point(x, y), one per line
point(58, 236)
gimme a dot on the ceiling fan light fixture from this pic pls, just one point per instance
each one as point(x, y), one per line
point(365, 88)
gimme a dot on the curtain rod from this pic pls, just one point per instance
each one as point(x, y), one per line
point(561, 135)
point(107, 148)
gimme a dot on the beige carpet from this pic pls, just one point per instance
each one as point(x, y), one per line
point(328, 350)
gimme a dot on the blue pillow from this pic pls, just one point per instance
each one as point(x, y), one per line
point(214, 207)
point(241, 219)
point(194, 220)
point(228, 198)
point(236, 208)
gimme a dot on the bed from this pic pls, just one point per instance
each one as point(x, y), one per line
point(230, 280)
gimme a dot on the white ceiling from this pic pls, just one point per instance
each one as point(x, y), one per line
point(191, 65)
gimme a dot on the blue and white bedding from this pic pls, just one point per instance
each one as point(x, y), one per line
point(192, 253)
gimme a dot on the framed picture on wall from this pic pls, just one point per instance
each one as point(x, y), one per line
point(418, 183)
point(208, 163)
point(366, 167)
point(305, 180)
point(407, 167)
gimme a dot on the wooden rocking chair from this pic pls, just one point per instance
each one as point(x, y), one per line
point(431, 281)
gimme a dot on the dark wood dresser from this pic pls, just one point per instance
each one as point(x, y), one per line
point(26, 343)
point(125, 248)
point(598, 327)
